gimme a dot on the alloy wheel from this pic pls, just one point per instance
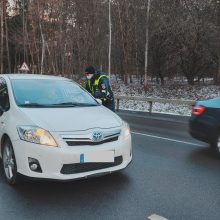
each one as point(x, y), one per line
point(9, 161)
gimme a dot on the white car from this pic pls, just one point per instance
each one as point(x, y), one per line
point(52, 128)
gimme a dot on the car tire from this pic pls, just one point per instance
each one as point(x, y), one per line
point(9, 163)
point(216, 145)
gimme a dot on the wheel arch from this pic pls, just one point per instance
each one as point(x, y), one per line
point(4, 137)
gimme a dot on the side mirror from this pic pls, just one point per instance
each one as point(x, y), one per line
point(99, 101)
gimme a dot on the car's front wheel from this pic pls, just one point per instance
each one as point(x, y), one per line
point(216, 145)
point(9, 163)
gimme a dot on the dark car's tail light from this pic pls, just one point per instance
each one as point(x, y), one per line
point(197, 110)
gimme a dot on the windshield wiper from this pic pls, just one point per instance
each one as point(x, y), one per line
point(63, 104)
point(72, 104)
point(34, 105)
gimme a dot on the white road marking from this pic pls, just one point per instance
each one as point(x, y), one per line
point(167, 139)
point(156, 217)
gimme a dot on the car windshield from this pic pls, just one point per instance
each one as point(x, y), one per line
point(40, 93)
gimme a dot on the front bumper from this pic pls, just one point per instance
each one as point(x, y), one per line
point(52, 159)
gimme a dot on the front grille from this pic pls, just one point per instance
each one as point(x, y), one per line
point(82, 138)
point(86, 167)
point(80, 143)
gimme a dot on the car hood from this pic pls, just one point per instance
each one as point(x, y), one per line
point(210, 103)
point(72, 119)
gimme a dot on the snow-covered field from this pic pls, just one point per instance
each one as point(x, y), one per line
point(171, 90)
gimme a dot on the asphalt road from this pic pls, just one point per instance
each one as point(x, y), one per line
point(172, 175)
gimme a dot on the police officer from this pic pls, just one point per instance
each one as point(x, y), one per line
point(98, 85)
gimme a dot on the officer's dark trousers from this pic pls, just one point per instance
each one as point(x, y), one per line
point(110, 105)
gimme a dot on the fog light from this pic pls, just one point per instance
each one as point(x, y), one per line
point(34, 165)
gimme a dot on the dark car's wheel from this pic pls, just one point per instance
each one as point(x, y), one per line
point(216, 145)
point(9, 163)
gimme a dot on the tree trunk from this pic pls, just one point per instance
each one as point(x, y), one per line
point(217, 76)
point(190, 80)
point(218, 73)
point(7, 46)
point(124, 44)
point(130, 78)
point(43, 43)
point(24, 35)
point(2, 38)
point(146, 47)
point(110, 41)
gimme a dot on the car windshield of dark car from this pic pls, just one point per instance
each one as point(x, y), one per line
point(39, 93)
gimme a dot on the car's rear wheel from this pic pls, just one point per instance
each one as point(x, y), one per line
point(9, 163)
point(218, 144)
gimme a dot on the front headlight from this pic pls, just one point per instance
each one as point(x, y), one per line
point(36, 135)
point(126, 129)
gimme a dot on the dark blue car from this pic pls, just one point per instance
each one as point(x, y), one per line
point(204, 122)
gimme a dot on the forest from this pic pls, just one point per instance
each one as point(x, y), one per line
point(153, 39)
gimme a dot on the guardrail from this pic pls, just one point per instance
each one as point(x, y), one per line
point(150, 101)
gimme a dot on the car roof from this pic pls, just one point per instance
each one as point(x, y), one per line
point(32, 76)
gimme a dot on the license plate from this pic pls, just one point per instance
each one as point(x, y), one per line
point(98, 156)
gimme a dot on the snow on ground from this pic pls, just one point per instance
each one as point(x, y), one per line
point(171, 90)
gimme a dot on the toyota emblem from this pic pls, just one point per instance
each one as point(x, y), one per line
point(97, 136)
